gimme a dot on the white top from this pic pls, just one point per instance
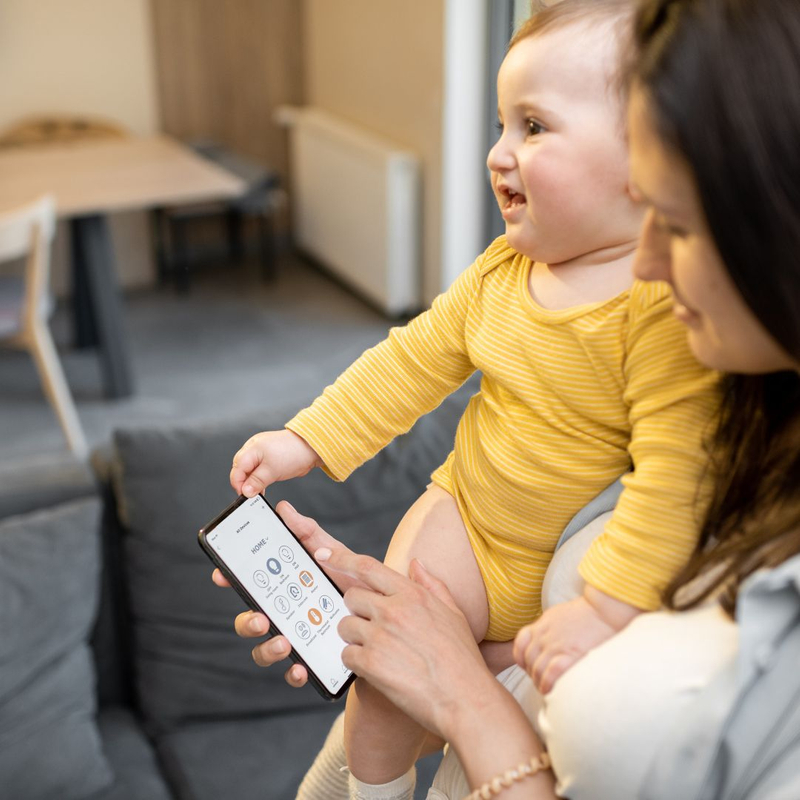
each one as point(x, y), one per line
point(604, 720)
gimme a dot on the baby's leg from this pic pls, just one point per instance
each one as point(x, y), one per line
point(382, 743)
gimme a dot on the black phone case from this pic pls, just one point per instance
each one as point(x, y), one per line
point(253, 605)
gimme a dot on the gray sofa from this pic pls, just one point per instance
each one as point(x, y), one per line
point(120, 675)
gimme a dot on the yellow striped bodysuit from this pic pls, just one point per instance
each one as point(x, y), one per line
point(569, 400)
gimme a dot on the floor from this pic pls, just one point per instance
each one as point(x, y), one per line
point(233, 344)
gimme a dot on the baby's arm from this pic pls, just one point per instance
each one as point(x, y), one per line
point(378, 397)
point(672, 406)
point(390, 386)
point(671, 401)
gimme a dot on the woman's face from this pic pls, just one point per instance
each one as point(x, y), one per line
point(677, 247)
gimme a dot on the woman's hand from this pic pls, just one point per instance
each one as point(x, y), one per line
point(251, 624)
point(408, 639)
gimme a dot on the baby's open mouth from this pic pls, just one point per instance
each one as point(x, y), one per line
point(512, 198)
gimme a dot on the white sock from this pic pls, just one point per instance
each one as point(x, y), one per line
point(401, 788)
point(327, 778)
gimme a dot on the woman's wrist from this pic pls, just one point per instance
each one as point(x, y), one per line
point(491, 735)
point(472, 697)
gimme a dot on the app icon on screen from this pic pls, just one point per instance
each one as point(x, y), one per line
point(306, 578)
point(274, 566)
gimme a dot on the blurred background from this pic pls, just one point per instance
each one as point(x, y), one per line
point(207, 211)
point(357, 131)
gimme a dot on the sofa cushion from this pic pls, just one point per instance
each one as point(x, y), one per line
point(41, 482)
point(189, 664)
point(249, 759)
point(49, 742)
point(253, 759)
point(137, 775)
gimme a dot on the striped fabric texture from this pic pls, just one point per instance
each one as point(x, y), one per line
point(569, 400)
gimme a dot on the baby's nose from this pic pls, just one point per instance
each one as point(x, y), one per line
point(500, 157)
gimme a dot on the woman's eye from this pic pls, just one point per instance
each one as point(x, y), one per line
point(534, 128)
point(671, 230)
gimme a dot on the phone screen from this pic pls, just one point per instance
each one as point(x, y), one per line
point(255, 546)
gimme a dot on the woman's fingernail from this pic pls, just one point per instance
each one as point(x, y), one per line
point(277, 647)
point(255, 625)
point(291, 507)
point(323, 554)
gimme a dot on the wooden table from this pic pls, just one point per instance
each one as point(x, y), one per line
point(90, 180)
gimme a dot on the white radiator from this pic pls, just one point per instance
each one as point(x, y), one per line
point(356, 206)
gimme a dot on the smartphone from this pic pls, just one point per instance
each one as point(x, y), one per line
point(269, 568)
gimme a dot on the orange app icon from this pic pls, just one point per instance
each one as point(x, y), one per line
point(314, 616)
point(306, 578)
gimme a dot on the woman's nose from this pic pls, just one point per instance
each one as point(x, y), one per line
point(653, 261)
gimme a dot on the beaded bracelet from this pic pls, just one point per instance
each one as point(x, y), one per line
point(496, 785)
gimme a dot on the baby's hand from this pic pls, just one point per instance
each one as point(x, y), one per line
point(564, 634)
point(268, 457)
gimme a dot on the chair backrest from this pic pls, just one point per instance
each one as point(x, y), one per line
point(52, 128)
point(27, 231)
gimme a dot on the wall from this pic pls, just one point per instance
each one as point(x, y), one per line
point(89, 57)
point(379, 64)
point(223, 67)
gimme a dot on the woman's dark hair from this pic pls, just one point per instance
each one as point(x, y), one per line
point(721, 80)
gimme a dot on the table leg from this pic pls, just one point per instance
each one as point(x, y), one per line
point(84, 329)
point(98, 304)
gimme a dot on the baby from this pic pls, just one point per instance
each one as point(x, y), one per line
point(585, 375)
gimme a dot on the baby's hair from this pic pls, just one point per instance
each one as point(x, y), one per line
point(559, 15)
point(617, 15)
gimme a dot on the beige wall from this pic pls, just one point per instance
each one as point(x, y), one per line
point(86, 57)
point(223, 68)
point(379, 63)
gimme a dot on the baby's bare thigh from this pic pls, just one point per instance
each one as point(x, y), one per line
point(433, 532)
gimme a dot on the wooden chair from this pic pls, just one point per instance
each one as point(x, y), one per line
point(25, 306)
point(59, 128)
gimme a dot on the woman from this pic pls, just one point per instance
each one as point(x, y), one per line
point(705, 702)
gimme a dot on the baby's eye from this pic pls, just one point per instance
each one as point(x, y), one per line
point(534, 128)
point(499, 126)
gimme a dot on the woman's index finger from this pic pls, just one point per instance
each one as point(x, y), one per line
point(369, 571)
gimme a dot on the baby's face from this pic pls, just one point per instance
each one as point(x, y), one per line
point(559, 169)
